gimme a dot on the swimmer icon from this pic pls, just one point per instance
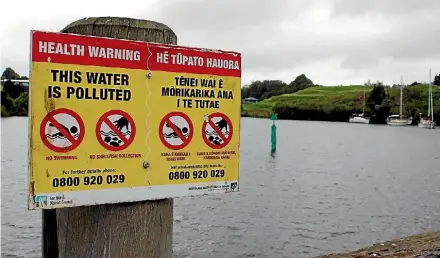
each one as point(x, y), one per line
point(176, 130)
point(62, 130)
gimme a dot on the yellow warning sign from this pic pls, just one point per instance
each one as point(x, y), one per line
point(118, 121)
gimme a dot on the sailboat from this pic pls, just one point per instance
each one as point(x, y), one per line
point(359, 118)
point(428, 122)
point(399, 119)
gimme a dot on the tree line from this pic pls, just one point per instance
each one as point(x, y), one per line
point(268, 88)
point(380, 102)
point(14, 98)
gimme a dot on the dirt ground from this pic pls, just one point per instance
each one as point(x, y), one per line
point(420, 246)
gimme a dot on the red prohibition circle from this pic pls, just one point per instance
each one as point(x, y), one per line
point(50, 117)
point(186, 141)
point(211, 123)
point(104, 119)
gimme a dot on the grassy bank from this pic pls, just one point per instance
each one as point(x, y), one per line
point(310, 100)
point(338, 103)
point(412, 246)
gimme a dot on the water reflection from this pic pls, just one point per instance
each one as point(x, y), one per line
point(328, 188)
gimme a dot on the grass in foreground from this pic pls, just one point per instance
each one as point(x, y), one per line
point(406, 247)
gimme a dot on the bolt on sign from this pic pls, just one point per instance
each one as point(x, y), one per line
point(121, 121)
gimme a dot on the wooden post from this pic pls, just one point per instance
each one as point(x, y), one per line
point(137, 230)
point(50, 239)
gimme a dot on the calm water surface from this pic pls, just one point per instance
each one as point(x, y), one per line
point(331, 187)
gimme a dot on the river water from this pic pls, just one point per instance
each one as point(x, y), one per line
point(331, 187)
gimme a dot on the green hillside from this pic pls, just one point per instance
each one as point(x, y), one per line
point(324, 98)
point(339, 102)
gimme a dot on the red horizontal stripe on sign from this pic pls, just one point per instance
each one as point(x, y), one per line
point(194, 60)
point(86, 50)
point(98, 51)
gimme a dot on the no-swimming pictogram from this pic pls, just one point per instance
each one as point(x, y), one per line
point(62, 130)
point(217, 130)
point(115, 130)
point(176, 130)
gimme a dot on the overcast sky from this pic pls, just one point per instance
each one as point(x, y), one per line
point(333, 42)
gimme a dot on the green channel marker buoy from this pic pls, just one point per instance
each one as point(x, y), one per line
point(273, 137)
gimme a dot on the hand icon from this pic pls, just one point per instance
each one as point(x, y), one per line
point(121, 123)
point(221, 124)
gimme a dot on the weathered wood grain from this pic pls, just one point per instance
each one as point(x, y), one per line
point(128, 230)
point(123, 28)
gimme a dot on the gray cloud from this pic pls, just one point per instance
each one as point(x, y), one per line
point(16, 41)
point(255, 29)
point(355, 39)
point(226, 15)
point(387, 7)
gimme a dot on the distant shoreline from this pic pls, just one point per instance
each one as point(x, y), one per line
point(411, 246)
point(247, 116)
point(338, 104)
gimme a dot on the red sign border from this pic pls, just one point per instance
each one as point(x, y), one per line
point(58, 111)
point(102, 120)
point(146, 50)
point(162, 123)
point(231, 131)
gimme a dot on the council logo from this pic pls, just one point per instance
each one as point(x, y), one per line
point(41, 201)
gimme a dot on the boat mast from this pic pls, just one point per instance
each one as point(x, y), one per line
point(363, 105)
point(429, 94)
point(401, 91)
point(431, 104)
